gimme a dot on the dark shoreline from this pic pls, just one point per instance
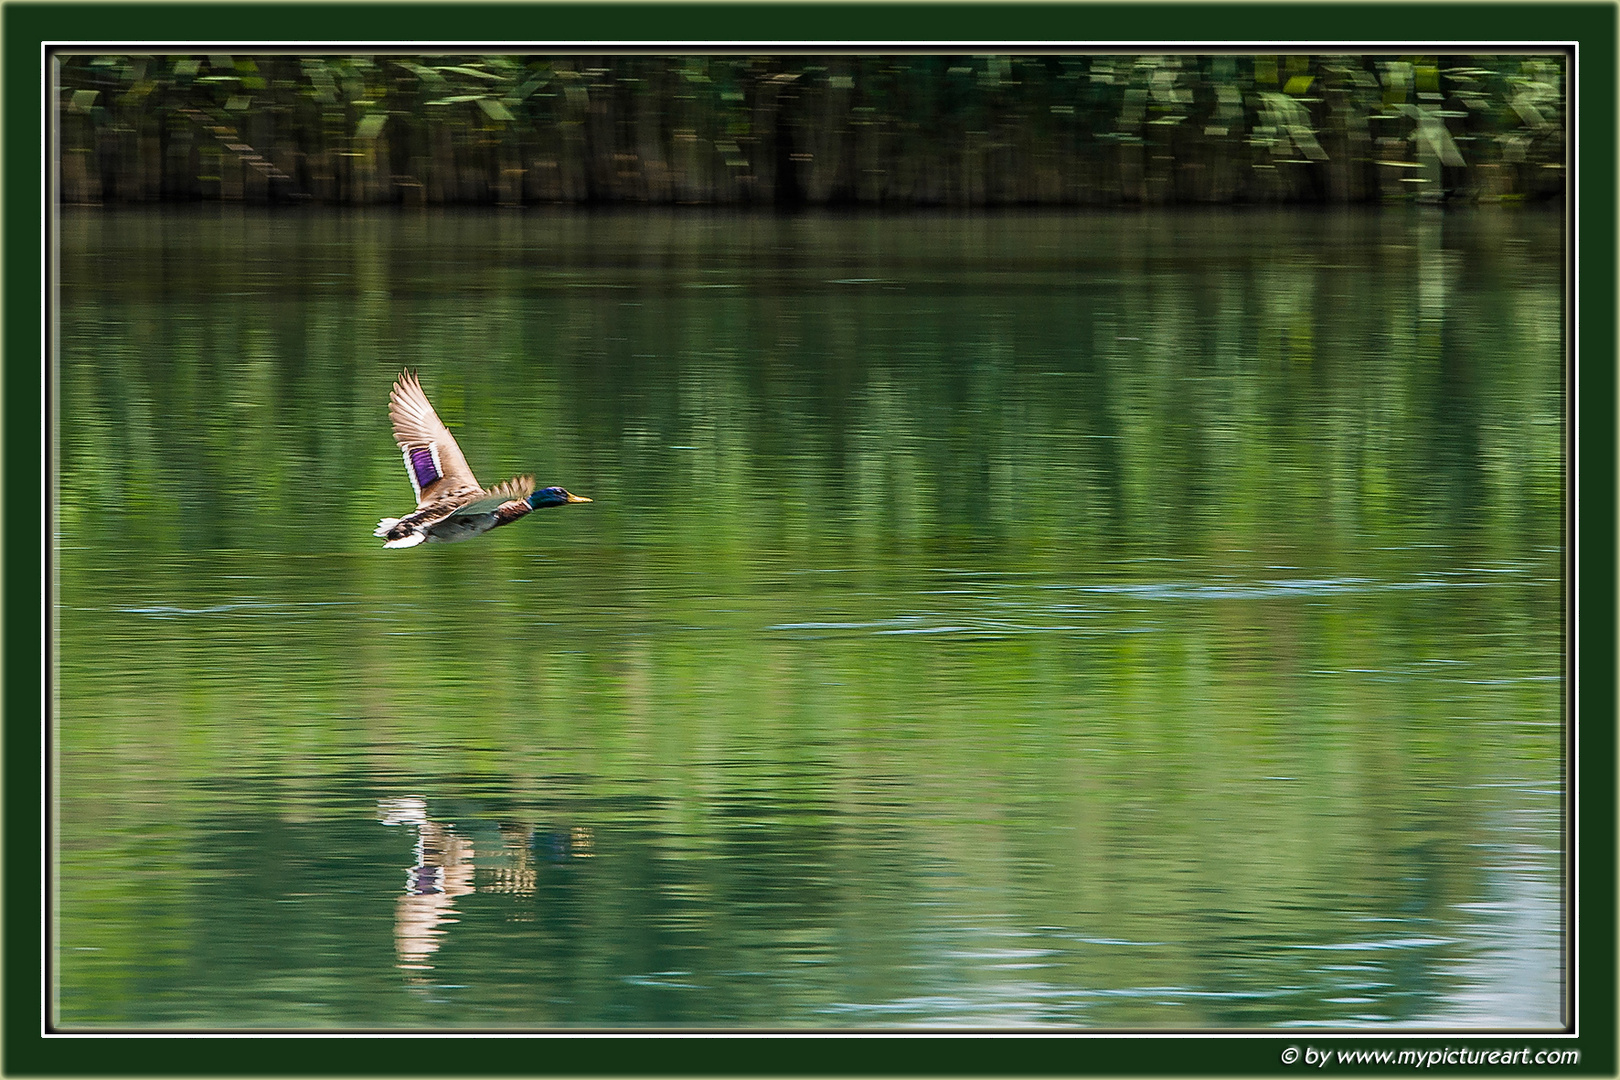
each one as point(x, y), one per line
point(789, 132)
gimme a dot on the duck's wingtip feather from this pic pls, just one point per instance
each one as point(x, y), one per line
point(406, 382)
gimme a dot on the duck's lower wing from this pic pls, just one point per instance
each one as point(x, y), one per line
point(519, 487)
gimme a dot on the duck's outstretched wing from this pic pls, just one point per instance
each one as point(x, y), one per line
point(433, 461)
point(519, 487)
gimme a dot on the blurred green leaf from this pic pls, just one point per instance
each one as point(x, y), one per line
point(1290, 127)
point(321, 80)
point(495, 109)
point(426, 74)
point(370, 125)
point(1433, 141)
point(528, 87)
point(135, 93)
point(1524, 105)
point(474, 72)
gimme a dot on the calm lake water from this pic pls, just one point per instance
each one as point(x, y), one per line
point(1143, 621)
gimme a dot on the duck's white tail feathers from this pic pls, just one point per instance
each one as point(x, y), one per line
point(407, 541)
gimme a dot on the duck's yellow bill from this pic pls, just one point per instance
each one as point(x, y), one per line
point(577, 498)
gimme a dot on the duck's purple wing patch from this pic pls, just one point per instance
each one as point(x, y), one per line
point(423, 464)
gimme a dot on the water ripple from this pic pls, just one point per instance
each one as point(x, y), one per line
point(248, 608)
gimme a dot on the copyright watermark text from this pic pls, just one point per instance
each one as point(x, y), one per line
point(1429, 1058)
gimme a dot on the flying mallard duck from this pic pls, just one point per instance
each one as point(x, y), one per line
point(450, 503)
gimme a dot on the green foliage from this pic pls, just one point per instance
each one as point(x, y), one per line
point(877, 130)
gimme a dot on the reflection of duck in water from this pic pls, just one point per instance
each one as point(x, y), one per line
point(445, 870)
point(450, 503)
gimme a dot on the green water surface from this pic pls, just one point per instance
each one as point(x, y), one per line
point(1140, 621)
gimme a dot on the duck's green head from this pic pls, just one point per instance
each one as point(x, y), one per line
point(553, 496)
